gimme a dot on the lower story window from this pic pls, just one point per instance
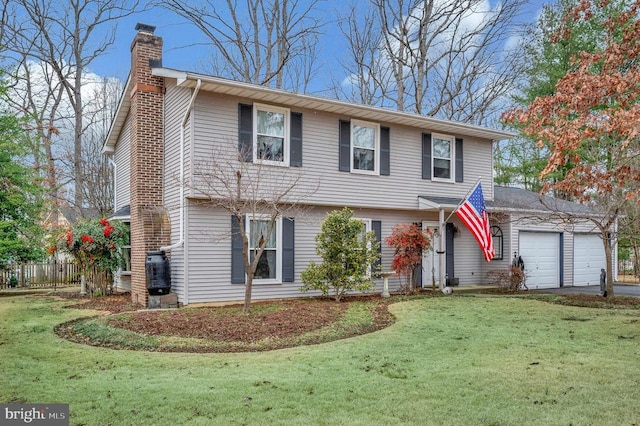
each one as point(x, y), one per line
point(126, 250)
point(496, 234)
point(269, 264)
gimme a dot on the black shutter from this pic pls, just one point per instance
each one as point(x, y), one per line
point(295, 140)
point(426, 156)
point(288, 250)
point(376, 227)
point(237, 257)
point(385, 148)
point(245, 131)
point(345, 146)
point(459, 161)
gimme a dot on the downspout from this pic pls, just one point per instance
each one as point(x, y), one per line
point(180, 242)
point(115, 183)
point(116, 274)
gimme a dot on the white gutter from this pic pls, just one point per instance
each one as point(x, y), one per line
point(180, 242)
point(115, 183)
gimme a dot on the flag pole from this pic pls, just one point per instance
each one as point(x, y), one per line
point(463, 199)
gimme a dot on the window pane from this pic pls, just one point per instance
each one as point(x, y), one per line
point(363, 234)
point(441, 148)
point(270, 123)
point(259, 230)
point(364, 137)
point(266, 265)
point(270, 148)
point(442, 168)
point(363, 159)
point(126, 253)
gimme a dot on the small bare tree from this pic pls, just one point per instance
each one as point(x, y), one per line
point(251, 189)
point(267, 42)
point(438, 58)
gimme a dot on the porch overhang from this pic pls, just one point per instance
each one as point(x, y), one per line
point(438, 203)
point(123, 213)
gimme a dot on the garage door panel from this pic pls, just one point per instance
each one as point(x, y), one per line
point(588, 259)
point(541, 254)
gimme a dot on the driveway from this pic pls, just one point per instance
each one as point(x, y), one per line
point(620, 290)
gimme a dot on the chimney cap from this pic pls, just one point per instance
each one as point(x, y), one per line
point(145, 28)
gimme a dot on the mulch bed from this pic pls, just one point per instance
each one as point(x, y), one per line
point(113, 303)
point(282, 320)
point(228, 324)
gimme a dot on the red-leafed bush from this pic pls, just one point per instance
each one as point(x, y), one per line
point(410, 242)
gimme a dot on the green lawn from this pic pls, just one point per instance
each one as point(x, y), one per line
point(457, 360)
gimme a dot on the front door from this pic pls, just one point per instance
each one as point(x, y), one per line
point(430, 259)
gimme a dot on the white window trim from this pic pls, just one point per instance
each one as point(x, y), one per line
point(127, 221)
point(452, 159)
point(279, 242)
point(376, 163)
point(285, 144)
point(368, 228)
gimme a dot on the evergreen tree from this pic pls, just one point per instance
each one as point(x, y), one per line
point(548, 58)
point(20, 207)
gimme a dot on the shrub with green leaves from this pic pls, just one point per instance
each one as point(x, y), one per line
point(348, 253)
point(95, 245)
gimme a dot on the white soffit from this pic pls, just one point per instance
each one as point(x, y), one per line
point(296, 100)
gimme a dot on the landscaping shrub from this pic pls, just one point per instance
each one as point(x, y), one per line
point(509, 280)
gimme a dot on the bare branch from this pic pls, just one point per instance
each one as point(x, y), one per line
point(443, 59)
point(263, 43)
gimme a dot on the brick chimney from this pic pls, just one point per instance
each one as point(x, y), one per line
point(147, 156)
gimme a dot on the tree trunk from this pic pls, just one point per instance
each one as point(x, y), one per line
point(78, 196)
point(608, 253)
point(247, 294)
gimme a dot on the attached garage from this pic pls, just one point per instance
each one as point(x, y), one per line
point(588, 259)
point(542, 261)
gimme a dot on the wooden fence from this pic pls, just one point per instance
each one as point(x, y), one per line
point(40, 275)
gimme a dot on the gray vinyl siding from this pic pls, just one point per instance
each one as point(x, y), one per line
point(468, 262)
point(216, 127)
point(123, 167)
point(209, 252)
point(507, 249)
point(176, 102)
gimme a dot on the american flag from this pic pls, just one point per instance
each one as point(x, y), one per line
point(473, 213)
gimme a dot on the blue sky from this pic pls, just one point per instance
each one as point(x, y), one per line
point(183, 47)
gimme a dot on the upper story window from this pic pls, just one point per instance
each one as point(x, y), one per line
point(365, 147)
point(443, 157)
point(271, 134)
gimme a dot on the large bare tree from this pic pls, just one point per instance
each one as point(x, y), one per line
point(267, 42)
point(97, 171)
point(431, 57)
point(67, 37)
point(35, 94)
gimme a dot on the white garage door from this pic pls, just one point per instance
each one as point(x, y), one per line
point(541, 254)
point(588, 259)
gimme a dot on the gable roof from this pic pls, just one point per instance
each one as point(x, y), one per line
point(296, 100)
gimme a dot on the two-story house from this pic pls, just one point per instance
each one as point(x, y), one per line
point(388, 166)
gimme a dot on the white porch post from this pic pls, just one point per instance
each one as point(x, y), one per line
point(441, 251)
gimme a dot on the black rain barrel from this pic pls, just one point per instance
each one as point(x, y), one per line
point(158, 273)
